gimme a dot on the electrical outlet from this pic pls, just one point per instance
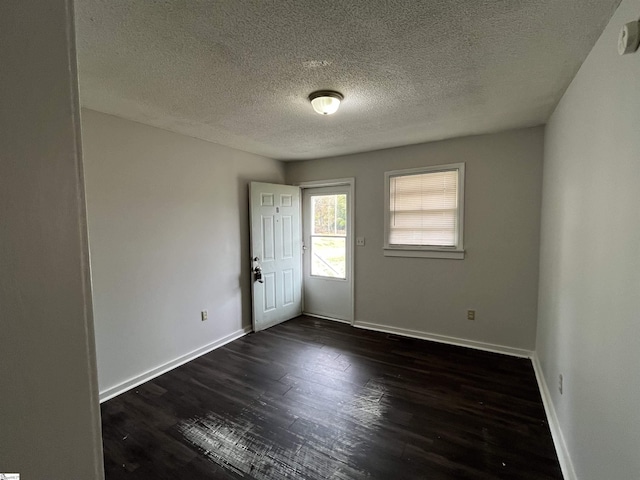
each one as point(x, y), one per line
point(471, 314)
point(204, 315)
point(560, 383)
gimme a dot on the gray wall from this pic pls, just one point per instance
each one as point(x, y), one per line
point(168, 231)
point(498, 277)
point(49, 417)
point(589, 325)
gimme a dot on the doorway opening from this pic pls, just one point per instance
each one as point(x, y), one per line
point(302, 251)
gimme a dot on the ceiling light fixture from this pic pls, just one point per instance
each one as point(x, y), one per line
point(325, 102)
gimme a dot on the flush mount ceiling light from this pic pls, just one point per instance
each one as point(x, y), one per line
point(325, 102)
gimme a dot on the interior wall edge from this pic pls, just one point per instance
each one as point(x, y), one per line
point(83, 232)
point(49, 412)
point(587, 326)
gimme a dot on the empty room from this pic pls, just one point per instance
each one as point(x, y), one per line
point(320, 240)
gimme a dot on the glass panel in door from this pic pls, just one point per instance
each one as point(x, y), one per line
point(329, 236)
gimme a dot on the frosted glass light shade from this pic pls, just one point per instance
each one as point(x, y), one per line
point(325, 102)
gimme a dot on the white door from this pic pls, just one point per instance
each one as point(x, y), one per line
point(327, 228)
point(276, 251)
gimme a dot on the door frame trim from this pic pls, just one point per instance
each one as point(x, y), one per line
point(337, 182)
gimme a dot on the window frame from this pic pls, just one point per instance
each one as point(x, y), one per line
point(425, 251)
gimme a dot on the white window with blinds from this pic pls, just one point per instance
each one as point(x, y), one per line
point(424, 212)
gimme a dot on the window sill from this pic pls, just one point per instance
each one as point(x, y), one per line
point(401, 252)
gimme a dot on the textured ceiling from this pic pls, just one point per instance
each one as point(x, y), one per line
point(239, 73)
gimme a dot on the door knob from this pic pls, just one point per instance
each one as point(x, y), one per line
point(257, 274)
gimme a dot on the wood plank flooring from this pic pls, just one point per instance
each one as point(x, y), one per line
point(313, 399)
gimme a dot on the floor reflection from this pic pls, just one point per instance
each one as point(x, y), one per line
point(318, 444)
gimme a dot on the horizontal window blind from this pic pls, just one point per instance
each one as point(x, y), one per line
point(424, 209)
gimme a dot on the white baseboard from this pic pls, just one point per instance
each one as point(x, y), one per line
point(333, 319)
point(488, 347)
point(156, 372)
point(554, 425)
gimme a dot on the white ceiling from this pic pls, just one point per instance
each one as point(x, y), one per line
point(239, 73)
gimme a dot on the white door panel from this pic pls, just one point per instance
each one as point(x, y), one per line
point(276, 250)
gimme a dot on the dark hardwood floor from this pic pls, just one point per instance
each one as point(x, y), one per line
point(313, 399)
